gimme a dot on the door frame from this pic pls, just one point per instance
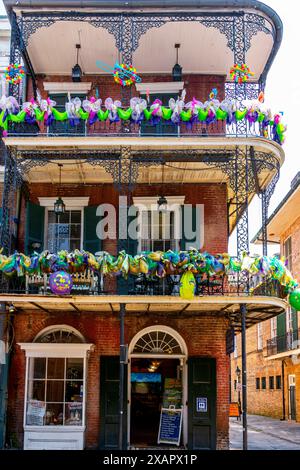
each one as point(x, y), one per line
point(292, 383)
point(183, 358)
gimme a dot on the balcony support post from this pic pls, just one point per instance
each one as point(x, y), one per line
point(123, 361)
point(283, 391)
point(243, 309)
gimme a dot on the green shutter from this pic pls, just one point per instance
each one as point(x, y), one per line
point(294, 319)
point(91, 242)
point(35, 222)
point(125, 286)
point(187, 212)
point(281, 332)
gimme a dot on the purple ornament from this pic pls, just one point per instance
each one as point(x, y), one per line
point(60, 283)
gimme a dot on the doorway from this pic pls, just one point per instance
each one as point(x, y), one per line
point(292, 396)
point(155, 384)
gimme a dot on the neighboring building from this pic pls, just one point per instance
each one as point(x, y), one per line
point(67, 368)
point(273, 346)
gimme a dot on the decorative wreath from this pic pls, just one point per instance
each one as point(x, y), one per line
point(130, 72)
point(14, 73)
point(240, 73)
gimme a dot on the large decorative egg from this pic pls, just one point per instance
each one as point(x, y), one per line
point(294, 299)
point(60, 283)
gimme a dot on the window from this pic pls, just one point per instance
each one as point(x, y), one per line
point(235, 382)
point(257, 383)
point(287, 252)
point(162, 127)
point(259, 336)
point(278, 382)
point(157, 231)
point(65, 234)
point(55, 391)
point(263, 383)
point(235, 351)
point(273, 327)
point(64, 127)
point(271, 382)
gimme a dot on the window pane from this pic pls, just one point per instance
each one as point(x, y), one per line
point(56, 368)
point(54, 414)
point(73, 414)
point(64, 218)
point(51, 217)
point(74, 369)
point(35, 413)
point(55, 391)
point(39, 367)
point(36, 390)
point(74, 391)
point(74, 244)
point(75, 231)
point(75, 217)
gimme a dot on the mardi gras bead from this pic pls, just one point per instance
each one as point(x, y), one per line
point(240, 73)
point(60, 283)
point(187, 285)
point(14, 73)
point(294, 299)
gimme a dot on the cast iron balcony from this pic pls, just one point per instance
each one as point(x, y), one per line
point(287, 342)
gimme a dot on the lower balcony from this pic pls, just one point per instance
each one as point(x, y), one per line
point(290, 342)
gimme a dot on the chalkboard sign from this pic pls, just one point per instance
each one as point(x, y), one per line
point(170, 426)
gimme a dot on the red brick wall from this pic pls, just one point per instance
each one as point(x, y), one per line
point(204, 336)
point(213, 196)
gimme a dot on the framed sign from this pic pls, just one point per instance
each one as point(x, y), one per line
point(201, 404)
point(170, 426)
point(35, 412)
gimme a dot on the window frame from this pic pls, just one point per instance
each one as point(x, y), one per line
point(260, 342)
point(50, 208)
point(56, 350)
point(263, 383)
point(271, 382)
point(288, 251)
point(257, 383)
point(273, 327)
point(278, 379)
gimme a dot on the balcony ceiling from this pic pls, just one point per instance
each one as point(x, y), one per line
point(203, 50)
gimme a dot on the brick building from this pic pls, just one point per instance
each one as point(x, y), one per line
point(88, 369)
point(273, 346)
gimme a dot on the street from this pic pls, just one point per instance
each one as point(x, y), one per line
point(265, 434)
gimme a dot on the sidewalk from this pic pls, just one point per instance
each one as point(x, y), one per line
point(286, 430)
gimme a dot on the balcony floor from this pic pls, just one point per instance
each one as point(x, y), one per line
point(259, 308)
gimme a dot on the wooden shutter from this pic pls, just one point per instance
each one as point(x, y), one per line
point(201, 403)
point(109, 402)
point(125, 286)
point(281, 332)
point(91, 242)
point(35, 222)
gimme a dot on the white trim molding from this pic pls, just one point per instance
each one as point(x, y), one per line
point(67, 87)
point(159, 87)
point(151, 201)
point(70, 202)
point(56, 349)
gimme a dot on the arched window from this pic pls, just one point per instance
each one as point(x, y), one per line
point(158, 340)
point(61, 334)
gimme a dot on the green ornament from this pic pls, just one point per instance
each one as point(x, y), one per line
point(294, 299)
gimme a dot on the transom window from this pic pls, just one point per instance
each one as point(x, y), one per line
point(55, 391)
point(64, 233)
point(157, 342)
point(62, 335)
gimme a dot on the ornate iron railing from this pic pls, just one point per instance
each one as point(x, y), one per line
point(287, 342)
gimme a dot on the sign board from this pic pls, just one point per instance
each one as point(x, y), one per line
point(238, 387)
point(234, 410)
point(201, 405)
point(35, 412)
point(170, 426)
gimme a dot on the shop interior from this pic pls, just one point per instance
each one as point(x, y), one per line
point(155, 383)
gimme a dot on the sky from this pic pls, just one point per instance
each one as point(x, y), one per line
point(283, 93)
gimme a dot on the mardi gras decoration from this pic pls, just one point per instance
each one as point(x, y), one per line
point(60, 283)
point(92, 110)
point(294, 299)
point(124, 74)
point(187, 285)
point(152, 264)
point(240, 73)
point(14, 73)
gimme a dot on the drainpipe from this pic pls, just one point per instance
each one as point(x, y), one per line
point(283, 393)
point(4, 366)
point(122, 375)
point(244, 376)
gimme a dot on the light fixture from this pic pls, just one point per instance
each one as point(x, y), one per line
point(76, 70)
point(59, 205)
point(11, 308)
point(177, 69)
point(238, 371)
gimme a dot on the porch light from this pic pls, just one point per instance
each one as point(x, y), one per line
point(238, 371)
point(177, 69)
point(76, 70)
point(162, 204)
point(59, 205)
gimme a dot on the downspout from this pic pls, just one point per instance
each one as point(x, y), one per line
point(6, 337)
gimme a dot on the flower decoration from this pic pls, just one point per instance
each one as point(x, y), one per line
point(14, 73)
point(112, 107)
point(125, 75)
point(240, 73)
point(137, 106)
point(92, 106)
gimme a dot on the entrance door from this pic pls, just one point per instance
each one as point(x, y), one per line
point(201, 403)
point(292, 396)
point(109, 403)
